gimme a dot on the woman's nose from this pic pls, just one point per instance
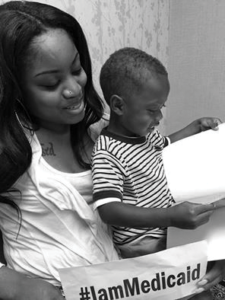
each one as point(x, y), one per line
point(72, 91)
point(67, 93)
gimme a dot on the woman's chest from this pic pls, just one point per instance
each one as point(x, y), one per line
point(60, 158)
point(60, 154)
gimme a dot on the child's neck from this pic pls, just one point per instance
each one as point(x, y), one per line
point(118, 129)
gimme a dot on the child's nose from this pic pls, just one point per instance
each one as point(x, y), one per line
point(159, 115)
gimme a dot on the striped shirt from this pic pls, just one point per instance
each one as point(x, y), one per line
point(130, 170)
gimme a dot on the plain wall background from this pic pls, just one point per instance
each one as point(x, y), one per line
point(196, 61)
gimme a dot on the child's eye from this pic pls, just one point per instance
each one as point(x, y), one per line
point(151, 111)
point(77, 72)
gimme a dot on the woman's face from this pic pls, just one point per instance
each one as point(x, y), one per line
point(54, 81)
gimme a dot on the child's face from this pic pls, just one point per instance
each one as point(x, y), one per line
point(142, 109)
point(54, 81)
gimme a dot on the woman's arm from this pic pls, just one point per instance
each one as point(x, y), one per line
point(15, 286)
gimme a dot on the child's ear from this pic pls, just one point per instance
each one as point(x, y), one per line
point(117, 104)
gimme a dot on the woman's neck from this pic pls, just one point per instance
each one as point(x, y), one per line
point(54, 128)
point(44, 133)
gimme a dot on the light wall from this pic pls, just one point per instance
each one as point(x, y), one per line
point(196, 61)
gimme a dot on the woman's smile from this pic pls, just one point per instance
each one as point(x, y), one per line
point(76, 108)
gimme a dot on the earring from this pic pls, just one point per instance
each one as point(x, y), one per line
point(18, 119)
point(22, 105)
point(24, 109)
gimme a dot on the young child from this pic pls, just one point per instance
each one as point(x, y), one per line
point(129, 184)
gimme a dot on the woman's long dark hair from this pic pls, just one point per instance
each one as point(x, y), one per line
point(20, 23)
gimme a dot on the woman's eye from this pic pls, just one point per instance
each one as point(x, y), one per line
point(51, 86)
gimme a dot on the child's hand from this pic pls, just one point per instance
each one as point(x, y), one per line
point(195, 127)
point(208, 123)
point(219, 203)
point(188, 215)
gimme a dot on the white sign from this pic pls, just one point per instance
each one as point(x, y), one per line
point(166, 275)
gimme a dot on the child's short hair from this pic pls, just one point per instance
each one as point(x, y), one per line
point(126, 69)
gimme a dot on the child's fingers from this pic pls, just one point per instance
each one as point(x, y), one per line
point(205, 208)
point(219, 203)
point(215, 124)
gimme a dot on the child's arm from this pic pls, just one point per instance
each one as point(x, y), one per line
point(185, 215)
point(196, 126)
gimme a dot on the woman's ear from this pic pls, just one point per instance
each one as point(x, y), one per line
point(117, 105)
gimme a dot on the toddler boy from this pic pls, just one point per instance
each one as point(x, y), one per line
point(129, 184)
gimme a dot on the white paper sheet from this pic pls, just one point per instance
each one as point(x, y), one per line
point(195, 171)
point(166, 275)
point(195, 166)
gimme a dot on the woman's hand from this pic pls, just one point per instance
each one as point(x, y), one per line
point(215, 274)
point(15, 286)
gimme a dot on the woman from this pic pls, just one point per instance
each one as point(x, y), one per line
point(49, 115)
point(48, 105)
